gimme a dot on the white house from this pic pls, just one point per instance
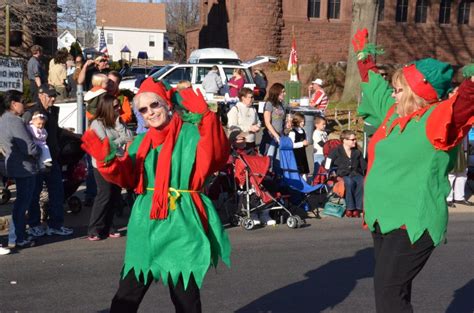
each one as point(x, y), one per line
point(66, 39)
point(139, 26)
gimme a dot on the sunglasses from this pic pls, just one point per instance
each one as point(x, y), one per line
point(397, 90)
point(351, 139)
point(102, 60)
point(153, 105)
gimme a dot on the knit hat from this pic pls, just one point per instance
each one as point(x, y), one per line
point(157, 87)
point(429, 78)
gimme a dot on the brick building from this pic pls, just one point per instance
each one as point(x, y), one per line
point(406, 29)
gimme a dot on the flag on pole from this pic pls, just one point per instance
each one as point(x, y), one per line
point(293, 61)
point(102, 43)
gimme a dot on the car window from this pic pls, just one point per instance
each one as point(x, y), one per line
point(228, 72)
point(247, 76)
point(178, 74)
point(161, 71)
point(201, 73)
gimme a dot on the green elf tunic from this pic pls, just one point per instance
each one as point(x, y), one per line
point(409, 158)
point(179, 244)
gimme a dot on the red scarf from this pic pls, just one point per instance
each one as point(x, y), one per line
point(155, 137)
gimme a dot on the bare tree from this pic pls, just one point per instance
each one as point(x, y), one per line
point(180, 15)
point(364, 15)
point(80, 15)
point(34, 18)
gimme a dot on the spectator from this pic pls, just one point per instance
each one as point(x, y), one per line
point(243, 118)
point(40, 135)
point(36, 71)
point(107, 124)
point(53, 178)
point(183, 84)
point(171, 161)
point(21, 155)
point(319, 139)
point(113, 89)
point(350, 165)
point(274, 119)
point(57, 73)
point(91, 67)
point(79, 62)
point(71, 83)
point(99, 86)
point(212, 82)
point(262, 82)
point(236, 82)
point(317, 95)
point(298, 137)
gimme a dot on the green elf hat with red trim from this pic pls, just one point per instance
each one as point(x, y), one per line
point(429, 78)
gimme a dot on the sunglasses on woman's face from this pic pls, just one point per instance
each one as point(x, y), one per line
point(153, 105)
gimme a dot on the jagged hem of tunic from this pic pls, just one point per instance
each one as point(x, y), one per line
point(413, 236)
point(164, 275)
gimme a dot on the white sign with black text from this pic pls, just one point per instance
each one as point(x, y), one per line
point(11, 74)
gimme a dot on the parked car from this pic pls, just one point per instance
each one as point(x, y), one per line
point(195, 73)
point(135, 71)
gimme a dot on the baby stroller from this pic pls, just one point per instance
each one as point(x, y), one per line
point(333, 185)
point(74, 172)
point(254, 194)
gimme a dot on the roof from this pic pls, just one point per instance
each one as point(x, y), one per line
point(117, 13)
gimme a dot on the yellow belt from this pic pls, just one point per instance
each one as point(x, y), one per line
point(174, 194)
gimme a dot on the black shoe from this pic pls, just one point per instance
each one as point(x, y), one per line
point(451, 204)
point(25, 244)
point(464, 202)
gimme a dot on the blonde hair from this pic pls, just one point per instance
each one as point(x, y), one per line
point(409, 102)
point(183, 84)
point(99, 80)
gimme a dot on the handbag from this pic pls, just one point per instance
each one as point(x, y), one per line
point(334, 207)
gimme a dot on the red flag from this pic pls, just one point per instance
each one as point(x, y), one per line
point(293, 61)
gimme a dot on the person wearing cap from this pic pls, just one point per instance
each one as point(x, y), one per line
point(317, 95)
point(174, 233)
point(99, 65)
point(409, 156)
point(53, 178)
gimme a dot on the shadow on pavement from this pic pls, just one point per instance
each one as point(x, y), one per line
point(463, 299)
point(324, 287)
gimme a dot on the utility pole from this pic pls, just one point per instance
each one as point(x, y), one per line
point(7, 29)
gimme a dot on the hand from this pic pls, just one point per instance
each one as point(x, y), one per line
point(88, 63)
point(305, 142)
point(254, 128)
point(94, 146)
point(277, 138)
point(360, 39)
point(193, 101)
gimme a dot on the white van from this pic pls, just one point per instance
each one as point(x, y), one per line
point(214, 56)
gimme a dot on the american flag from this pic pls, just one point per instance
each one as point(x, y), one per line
point(102, 43)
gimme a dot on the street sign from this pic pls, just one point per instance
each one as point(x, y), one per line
point(11, 74)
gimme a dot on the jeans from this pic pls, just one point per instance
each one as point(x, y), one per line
point(54, 183)
point(24, 186)
point(354, 186)
point(91, 185)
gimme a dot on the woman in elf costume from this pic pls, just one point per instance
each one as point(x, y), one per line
point(409, 157)
point(174, 232)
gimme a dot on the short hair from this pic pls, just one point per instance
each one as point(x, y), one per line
point(35, 49)
point(297, 119)
point(347, 133)
point(244, 92)
point(98, 79)
point(319, 119)
point(9, 97)
point(116, 75)
point(214, 68)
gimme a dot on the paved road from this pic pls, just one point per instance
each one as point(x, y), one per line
point(325, 267)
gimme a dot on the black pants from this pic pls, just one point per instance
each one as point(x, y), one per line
point(397, 262)
point(131, 292)
point(105, 203)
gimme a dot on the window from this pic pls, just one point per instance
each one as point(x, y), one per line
point(464, 11)
point(421, 11)
point(178, 74)
point(201, 73)
point(334, 8)
point(110, 39)
point(314, 8)
point(381, 10)
point(402, 10)
point(444, 11)
point(151, 41)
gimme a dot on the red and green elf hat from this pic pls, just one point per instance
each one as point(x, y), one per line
point(429, 78)
point(158, 87)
